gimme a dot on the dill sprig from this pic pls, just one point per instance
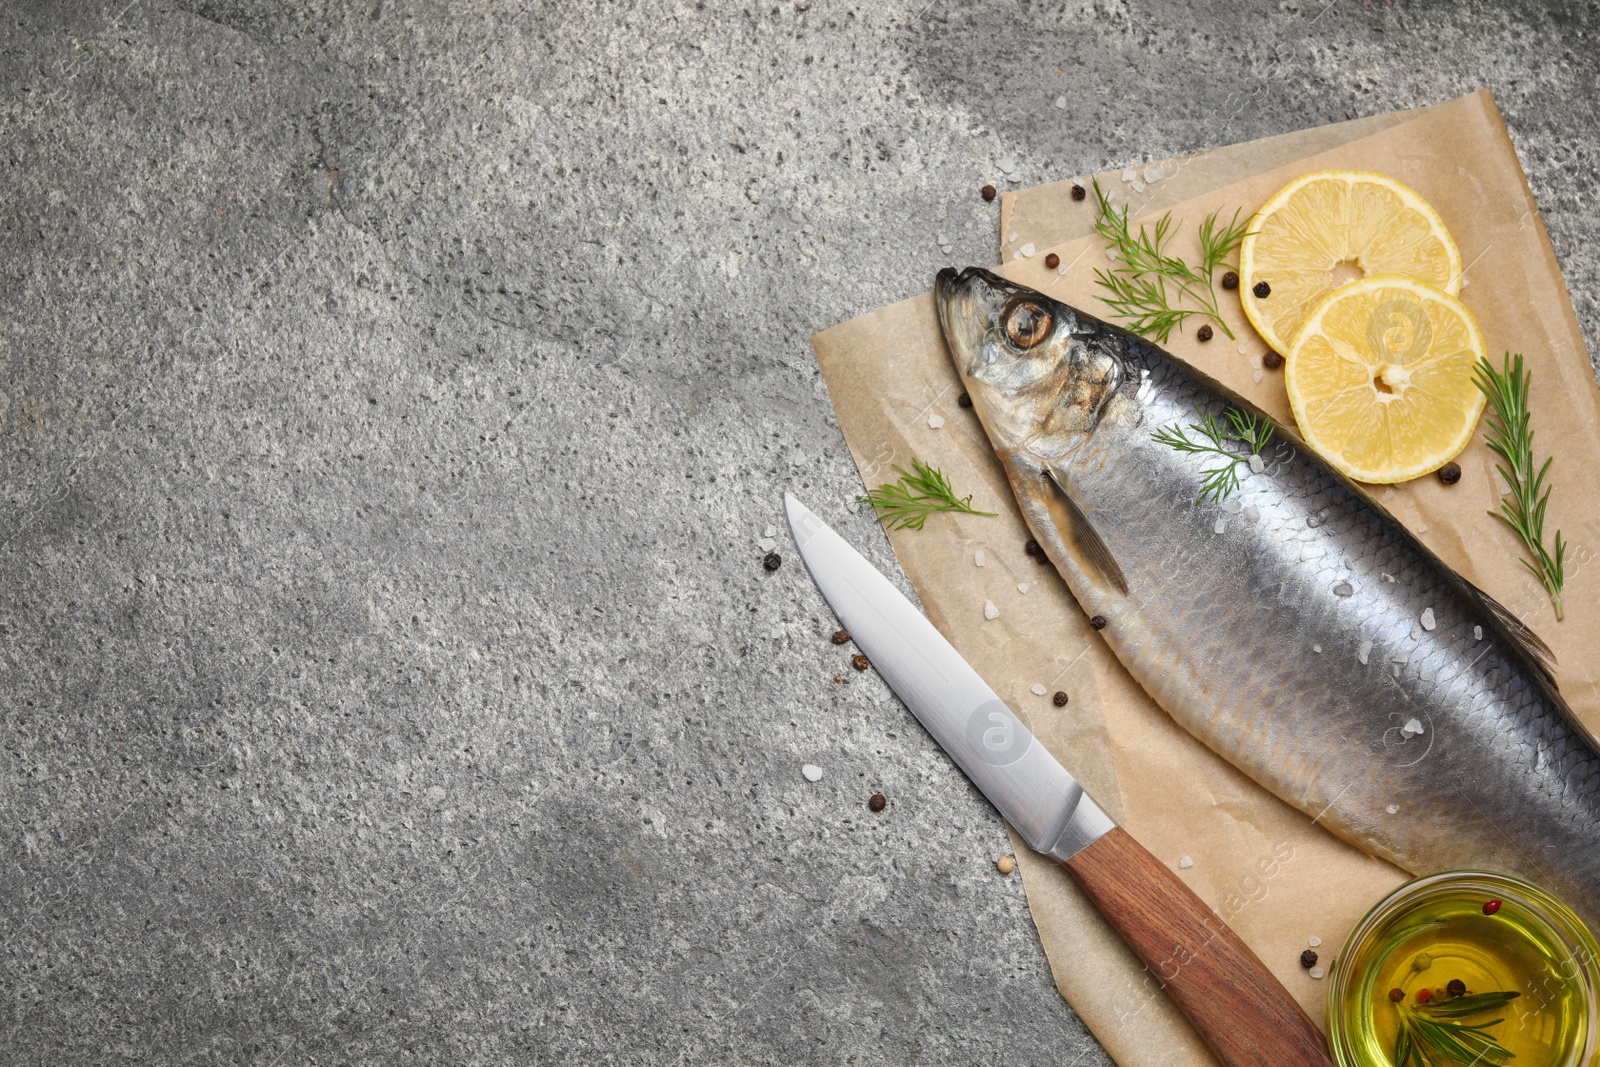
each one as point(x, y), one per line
point(1510, 436)
point(1150, 287)
point(906, 504)
point(1213, 437)
point(1433, 1035)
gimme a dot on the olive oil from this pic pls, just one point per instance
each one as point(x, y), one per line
point(1488, 933)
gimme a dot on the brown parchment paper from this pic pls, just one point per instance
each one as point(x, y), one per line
point(1274, 875)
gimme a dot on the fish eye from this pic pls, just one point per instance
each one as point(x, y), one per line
point(1027, 324)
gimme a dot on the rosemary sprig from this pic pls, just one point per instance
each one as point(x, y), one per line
point(1511, 438)
point(1148, 291)
point(906, 504)
point(1252, 431)
point(1433, 1035)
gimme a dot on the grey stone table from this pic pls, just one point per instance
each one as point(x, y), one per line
point(392, 396)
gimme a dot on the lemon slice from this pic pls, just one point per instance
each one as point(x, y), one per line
point(1328, 228)
point(1380, 378)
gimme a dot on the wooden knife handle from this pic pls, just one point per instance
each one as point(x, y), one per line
point(1238, 1007)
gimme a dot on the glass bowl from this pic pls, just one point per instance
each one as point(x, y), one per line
point(1478, 930)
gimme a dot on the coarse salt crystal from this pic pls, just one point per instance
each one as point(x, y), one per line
point(1061, 102)
point(770, 531)
point(1363, 650)
point(1038, 690)
point(935, 421)
point(1256, 463)
point(1138, 186)
point(1023, 587)
point(776, 633)
point(941, 239)
point(990, 611)
point(1027, 250)
point(1222, 524)
point(1416, 632)
point(812, 772)
point(1422, 528)
point(979, 558)
point(1428, 621)
point(1061, 269)
point(1477, 633)
point(1153, 174)
point(1186, 862)
point(1393, 809)
point(1013, 238)
point(1014, 176)
point(1314, 941)
point(1386, 578)
point(1006, 163)
point(1412, 728)
point(1255, 361)
point(1232, 505)
point(1252, 514)
point(1128, 174)
point(1344, 589)
point(1257, 374)
point(1317, 649)
point(1318, 972)
point(766, 544)
point(1401, 656)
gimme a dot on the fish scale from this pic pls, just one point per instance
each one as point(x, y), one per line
point(1220, 628)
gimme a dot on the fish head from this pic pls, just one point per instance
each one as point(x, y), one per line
point(1039, 375)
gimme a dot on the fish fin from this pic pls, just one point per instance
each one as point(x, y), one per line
point(1531, 644)
point(1079, 534)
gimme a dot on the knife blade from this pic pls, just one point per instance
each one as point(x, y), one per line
point(1236, 1005)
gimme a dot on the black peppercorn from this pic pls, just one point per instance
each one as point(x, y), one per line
point(1060, 699)
point(1262, 290)
point(772, 561)
point(877, 802)
point(965, 400)
point(1456, 987)
point(1078, 192)
point(1230, 280)
point(1308, 958)
point(841, 636)
point(1032, 548)
point(860, 662)
point(1272, 361)
point(988, 192)
point(1098, 622)
point(1052, 261)
point(1203, 333)
point(1450, 473)
point(1397, 995)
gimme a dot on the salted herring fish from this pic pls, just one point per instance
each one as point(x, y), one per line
point(1320, 648)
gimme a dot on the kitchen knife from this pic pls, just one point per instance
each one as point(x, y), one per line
point(1237, 1006)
